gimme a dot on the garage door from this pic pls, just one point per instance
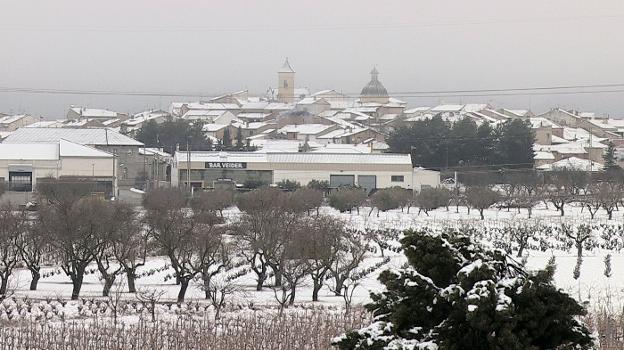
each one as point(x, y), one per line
point(368, 182)
point(341, 180)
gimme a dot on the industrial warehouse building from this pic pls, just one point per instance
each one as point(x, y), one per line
point(367, 170)
point(23, 165)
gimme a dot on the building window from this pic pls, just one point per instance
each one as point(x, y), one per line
point(397, 178)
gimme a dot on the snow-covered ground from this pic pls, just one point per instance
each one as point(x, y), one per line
point(592, 285)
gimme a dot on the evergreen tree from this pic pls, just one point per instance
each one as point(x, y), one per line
point(239, 138)
point(227, 139)
point(515, 144)
point(172, 133)
point(609, 156)
point(457, 295)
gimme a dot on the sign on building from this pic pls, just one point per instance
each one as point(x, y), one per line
point(225, 165)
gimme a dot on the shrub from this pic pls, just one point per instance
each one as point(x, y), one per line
point(386, 199)
point(322, 185)
point(347, 198)
point(432, 198)
point(481, 198)
point(306, 199)
point(254, 183)
point(288, 185)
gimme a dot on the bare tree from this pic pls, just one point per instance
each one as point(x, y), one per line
point(564, 185)
point(32, 244)
point(306, 199)
point(521, 235)
point(385, 199)
point(116, 301)
point(73, 222)
point(349, 257)
point(608, 195)
point(215, 201)
point(345, 199)
point(130, 246)
point(211, 251)
point(264, 231)
point(76, 230)
point(12, 226)
point(592, 199)
point(173, 226)
point(322, 244)
point(381, 237)
point(481, 198)
point(578, 235)
point(150, 298)
point(220, 291)
point(432, 198)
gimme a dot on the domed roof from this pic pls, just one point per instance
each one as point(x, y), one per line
point(374, 86)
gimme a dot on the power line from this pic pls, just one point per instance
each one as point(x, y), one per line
point(515, 91)
point(328, 27)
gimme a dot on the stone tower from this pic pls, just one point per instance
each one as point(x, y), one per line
point(286, 83)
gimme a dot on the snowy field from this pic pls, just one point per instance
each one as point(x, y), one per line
point(592, 286)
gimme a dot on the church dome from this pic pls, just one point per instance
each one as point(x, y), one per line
point(374, 87)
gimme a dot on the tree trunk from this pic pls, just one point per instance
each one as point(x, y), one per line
point(277, 276)
point(481, 213)
point(317, 285)
point(4, 285)
point(579, 250)
point(206, 279)
point(610, 213)
point(77, 284)
point(131, 278)
point(292, 294)
point(108, 284)
point(35, 279)
point(561, 210)
point(339, 285)
point(184, 283)
point(261, 279)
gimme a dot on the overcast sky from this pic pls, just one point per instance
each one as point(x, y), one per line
point(212, 47)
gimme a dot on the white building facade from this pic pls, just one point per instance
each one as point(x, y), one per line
point(367, 170)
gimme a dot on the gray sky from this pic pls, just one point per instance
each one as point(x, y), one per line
point(211, 47)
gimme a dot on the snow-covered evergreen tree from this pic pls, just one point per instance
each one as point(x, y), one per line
point(457, 295)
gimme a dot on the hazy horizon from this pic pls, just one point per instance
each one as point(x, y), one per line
point(210, 48)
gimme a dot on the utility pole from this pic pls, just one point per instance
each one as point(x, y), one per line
point(591, 161)
point(188, 167)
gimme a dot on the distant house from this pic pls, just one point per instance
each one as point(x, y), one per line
point(76, 113)
point(214, 130)
point(210, 116)
point(14, 122)
point(132, 125)
point(303, 132)
point(313, 105)
point(350, 136)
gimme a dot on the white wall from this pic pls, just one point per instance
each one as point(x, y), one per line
point(101, 167)
point(423, 177)
point(305, 176)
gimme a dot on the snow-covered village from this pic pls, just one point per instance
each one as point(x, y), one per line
point(410, 175)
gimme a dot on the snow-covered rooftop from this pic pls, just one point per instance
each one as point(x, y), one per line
point(304, 129)
point(299, 157)
point(93, 136)
point(93, 112)
point(49, 151)
point(573, 163)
